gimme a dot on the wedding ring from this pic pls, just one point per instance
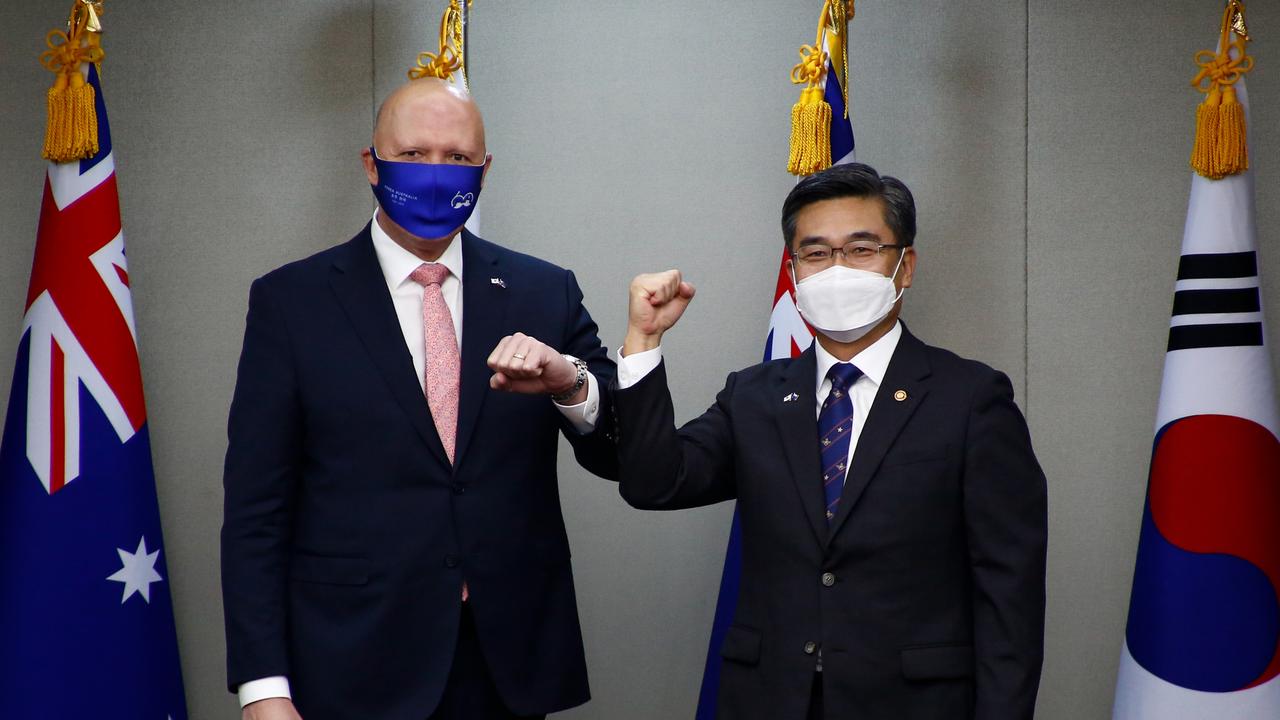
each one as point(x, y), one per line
point(518, 356)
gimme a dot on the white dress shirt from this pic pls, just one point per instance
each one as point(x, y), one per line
point(406, 295)
point(873, 361)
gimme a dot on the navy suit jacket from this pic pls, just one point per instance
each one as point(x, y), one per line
point(347, 534)
point(924, 597)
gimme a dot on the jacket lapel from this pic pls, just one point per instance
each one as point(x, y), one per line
point(907, 372)
point(361, 289)
point(795, 400)
point(484, 309)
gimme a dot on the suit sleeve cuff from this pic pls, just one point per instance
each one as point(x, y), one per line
point(634, 367)
point(263, 689)
point(583, 416)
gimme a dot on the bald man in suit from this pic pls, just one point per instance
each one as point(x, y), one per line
point(393, 545)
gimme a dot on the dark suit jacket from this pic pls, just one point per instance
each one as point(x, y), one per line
point(934, 602)
point(347, 534)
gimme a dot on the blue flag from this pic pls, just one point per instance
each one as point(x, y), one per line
point(85, 613)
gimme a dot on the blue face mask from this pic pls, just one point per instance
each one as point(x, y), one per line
point(430, 201)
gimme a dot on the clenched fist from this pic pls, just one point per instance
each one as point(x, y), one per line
point(522, 364)
point(657, 302)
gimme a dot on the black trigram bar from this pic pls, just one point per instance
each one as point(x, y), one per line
point(1189, 337)
point(1218, 265)
point(1235, 300)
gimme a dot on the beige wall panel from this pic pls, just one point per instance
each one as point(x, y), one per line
point(938, 92)
point(1111, 122)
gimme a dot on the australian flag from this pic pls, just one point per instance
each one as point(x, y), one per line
point(86, 621)
point(1203, 639)
point(788, 337)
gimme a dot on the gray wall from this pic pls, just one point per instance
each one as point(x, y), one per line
point(1046, 141)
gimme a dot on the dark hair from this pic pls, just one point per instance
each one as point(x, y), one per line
point(853, 180)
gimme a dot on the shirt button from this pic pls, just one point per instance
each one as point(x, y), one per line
point(828, 579)
point(810, 648)
point(451, 561)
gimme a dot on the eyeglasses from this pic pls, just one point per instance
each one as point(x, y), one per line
point(859, 253)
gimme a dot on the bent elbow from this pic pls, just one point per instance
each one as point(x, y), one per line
point(639, 497)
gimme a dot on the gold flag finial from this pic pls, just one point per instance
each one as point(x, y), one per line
point(451, 57)
point(1237, 22)
point(72, 129)
point(92, 11)
point(1221, 147)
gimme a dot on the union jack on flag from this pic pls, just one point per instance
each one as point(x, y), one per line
point(85, 610)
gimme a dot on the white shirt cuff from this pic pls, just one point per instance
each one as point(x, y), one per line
point(634, 367)
point(268, 687)
point(583, 416)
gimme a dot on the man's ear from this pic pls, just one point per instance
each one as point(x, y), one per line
point(488, 162)
point(370, 169)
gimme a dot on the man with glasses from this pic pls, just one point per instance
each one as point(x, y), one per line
point(893, 512)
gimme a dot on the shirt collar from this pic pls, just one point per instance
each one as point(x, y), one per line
point(397, 263)
point(872, 361)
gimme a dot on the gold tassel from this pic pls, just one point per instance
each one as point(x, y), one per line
point(1204, 152)
point(810, 133)
point(811, 115)
point(1221, 146)
point(72, 129)
point(1233, 156)
point(57, 128)
point(84, 118)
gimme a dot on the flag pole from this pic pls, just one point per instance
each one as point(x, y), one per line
point(464, 20)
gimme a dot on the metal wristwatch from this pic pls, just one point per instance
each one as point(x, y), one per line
point(578, 382)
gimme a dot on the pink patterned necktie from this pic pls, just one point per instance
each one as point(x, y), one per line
point(443, 363)
point(442, 359)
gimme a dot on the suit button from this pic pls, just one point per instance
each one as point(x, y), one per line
point(828, 579)
point(810, 648)
point(459, 488)
point(451, 561)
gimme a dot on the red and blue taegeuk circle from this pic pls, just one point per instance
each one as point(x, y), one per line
point(1205, 608)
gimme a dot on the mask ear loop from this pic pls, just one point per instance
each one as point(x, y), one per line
point(894, 276)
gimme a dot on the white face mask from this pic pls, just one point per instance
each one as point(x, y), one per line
point(844, 303)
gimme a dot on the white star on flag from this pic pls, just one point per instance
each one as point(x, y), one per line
point(138, 571)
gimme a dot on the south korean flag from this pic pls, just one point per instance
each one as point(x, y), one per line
point(1203, 635)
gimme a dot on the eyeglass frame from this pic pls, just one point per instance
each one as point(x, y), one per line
point(880, 248)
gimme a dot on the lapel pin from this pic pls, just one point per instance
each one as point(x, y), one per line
point(790, 398)
point(900, 395)
point(499, 282)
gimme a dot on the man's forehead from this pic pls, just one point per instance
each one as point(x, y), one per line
point(855, 213)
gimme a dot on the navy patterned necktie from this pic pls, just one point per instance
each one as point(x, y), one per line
point(835, 423)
